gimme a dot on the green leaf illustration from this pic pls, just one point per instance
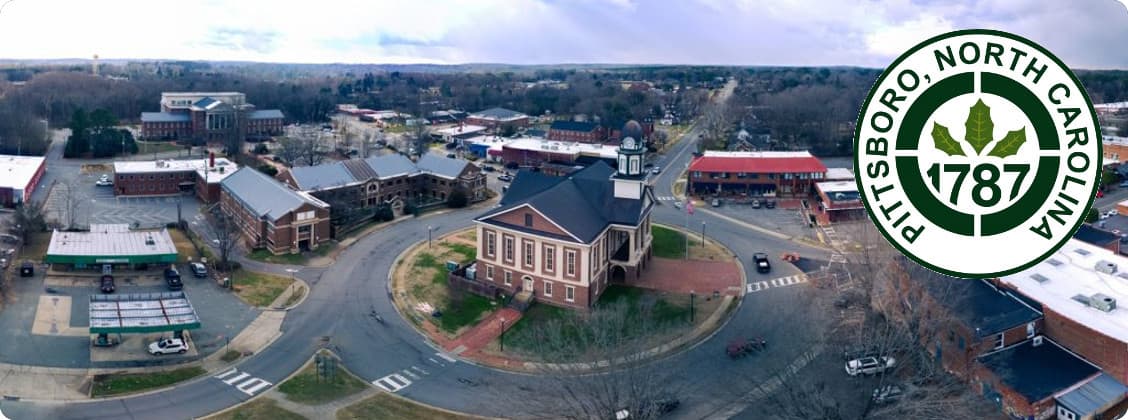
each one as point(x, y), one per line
point(979, 126)
point(1009, 144)
point(944, 141)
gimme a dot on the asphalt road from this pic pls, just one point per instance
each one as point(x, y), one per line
point(335, 315)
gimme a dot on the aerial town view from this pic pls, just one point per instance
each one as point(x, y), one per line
point(592, 209)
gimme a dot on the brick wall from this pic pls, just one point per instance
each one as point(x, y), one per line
point(517, 218)
point(1109, 353)
point(163, 183)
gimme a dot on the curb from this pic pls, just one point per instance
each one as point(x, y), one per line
point(301, 285)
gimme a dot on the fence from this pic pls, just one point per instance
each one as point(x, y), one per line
point(457, 279)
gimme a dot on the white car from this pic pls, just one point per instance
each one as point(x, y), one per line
point(168, 346)
point(869, 365)
point(104, 181)
point(1111, 213)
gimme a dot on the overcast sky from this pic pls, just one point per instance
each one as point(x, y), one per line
point(1084, 33)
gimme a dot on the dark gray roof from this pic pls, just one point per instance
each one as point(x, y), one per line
point(206, 102)
point(441, 165)
point(1037, 372)
point(263, 195)
point(165, 117)
point(266, 114)
point(499, 113)
point(391, 165)
point(980, 306)
point(1099, 237)
point(310, 178)
point(585, 127)
point(582, 203)
point(1100, 392)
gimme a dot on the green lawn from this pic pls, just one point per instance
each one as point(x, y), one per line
point(157, 147)
point(521, 335)
point(258, 409)
point(388, 406)
point(107, 385)
point(669, 243)
point(307, 388)
point(458, 315)
point(291, 259)
point(469, 253)
point(259, 289)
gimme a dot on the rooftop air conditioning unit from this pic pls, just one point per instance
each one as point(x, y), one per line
point(1037, 341)
point(1102, 302)
point(1106, 267)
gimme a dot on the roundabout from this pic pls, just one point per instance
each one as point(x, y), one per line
point(336, 314)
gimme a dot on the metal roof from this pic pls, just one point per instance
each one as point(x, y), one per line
point(165, 117)
point(266, 114)
point(1098, 393)
point(264, 196)
point(500, 114)
point(141, 313)
point(388, 166)
point(330, 175)
point(441, 165)
point(110, 241)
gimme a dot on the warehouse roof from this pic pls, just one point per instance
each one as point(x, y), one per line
point(16, 172)
point(757, 162)
point(263, 196)
point(1099, 392)
point(110, 241)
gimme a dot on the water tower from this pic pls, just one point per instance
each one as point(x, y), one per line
point(95, 66)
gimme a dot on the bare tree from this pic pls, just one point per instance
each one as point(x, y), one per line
point(575, 348)
point(225, 236)
point(70, 201)
point(289, 149)
point(420, 137)
point(28, 218)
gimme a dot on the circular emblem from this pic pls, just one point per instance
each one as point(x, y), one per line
point(977, 153)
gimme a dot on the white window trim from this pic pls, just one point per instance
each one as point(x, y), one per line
point(1002, 340)
point(570, 262)
point(530, 258)
point(508, 249)
point(569, 291)
point(548, 289)
point(508, 278)
point(550, 259)
point(491, 244)
point(489, 272)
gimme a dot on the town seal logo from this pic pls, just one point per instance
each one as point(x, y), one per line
point(977, 153)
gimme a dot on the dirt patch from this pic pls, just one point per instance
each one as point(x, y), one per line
point(185, 250)
point(420, 284)
point(96, 168)
point(259, 289)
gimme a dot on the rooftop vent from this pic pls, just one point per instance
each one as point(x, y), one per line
point(1081, 298)
point(1102, 302)
point(1053, 262)
point(1082, 251)
point(149, 241)
point(1106, 267)
point(1040, 278)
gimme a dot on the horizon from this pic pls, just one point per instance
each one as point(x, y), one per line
point(548, 32)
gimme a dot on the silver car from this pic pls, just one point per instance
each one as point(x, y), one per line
point(869, 365)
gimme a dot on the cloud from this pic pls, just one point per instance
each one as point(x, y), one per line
point(1084, 33)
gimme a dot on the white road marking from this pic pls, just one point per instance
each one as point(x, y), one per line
point(420, 370)
point(435, 362)
point(241, 376)
point(446, 357)
point(777, 282)
point(411, 374)
point(392, 383)
point(252, 386)
point(243, 381)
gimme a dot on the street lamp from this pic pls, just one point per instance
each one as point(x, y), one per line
point(501, 339)
point(702, 233)
point(691, 296)
point(428, 236)
point(292, 271)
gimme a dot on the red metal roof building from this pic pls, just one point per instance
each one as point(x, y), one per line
point(782, 174)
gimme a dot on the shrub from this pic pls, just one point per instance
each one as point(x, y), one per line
point(268, 169)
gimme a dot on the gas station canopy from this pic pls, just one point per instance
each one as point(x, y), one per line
point(142, 313)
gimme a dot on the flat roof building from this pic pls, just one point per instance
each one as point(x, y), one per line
point(142, 313)
point(172, 177)
point(111, 244)
point(18, 177)
point(782, 174)
point(839, 201)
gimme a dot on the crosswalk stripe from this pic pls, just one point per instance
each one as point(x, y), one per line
point(420, 370)
point(411, 374)
point(446, 357)
point(226, 374)
point(777, 282)
point(392, 383)
point(238, 378)
point(432, 360)
point(252, 386)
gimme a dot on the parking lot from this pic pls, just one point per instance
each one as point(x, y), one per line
point(93, 204)
point(45, 321)
point(783, 220)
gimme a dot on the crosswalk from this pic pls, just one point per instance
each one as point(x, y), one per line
point(667, 198)
point(838, 258)
point(397, 381)
point(243, 381)
point(760, 286)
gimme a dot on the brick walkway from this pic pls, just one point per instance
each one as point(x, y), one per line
point(480, 335)
point(682, 276)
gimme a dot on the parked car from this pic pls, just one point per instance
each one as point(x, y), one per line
point(199, 270)
point(771, 204)
point(869, 365)
point(1124, 184)
point(4, 263)
point(27, 269)
point(677, 205)
point(716, 202)
point(104, 181)
point(107, 284)
point(1111, 213)
point(762, 264)
point(649, 409)
point(656, 170)
point(451, 156)
point(1100, 194)
point(168, 346)
point(505, 178)
point(755, 204)
point(172, 277)
point(488, 168)
point(887, 394)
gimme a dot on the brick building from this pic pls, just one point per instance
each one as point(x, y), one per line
point(1002, 342)
point(389, 180)
point(172, 177)
point(780, 174)
point(497, 119)
point(562, 240)
point(208, 116)
point(1114, 150)
point(838, 201)
point(576, 131)
point(19, 175)
point(272, 216)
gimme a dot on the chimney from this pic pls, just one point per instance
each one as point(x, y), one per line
point(211, 160)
